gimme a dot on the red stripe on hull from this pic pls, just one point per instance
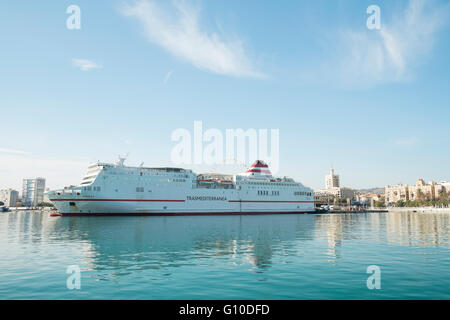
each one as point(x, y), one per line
point(120, 200)
point(142, 200)
point(268, 201)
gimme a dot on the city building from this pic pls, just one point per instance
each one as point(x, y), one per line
point(340, 192)
point(396, 193)
point(419, 192)
point(331, 180)
point(369, 198)
point(321, 198)
point(33, 192)
point(9, 197)
point(441, 188)
point(333, 188)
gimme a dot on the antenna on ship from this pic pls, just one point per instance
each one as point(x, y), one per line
point(120, 161)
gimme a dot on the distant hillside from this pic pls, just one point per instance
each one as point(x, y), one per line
point(372, 190)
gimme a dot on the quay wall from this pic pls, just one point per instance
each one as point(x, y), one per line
point(420, 209)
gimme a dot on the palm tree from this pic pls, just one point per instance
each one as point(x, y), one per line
point(443, 195)
point(420, 195)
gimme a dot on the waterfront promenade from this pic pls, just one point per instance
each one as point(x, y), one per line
point(419, 209)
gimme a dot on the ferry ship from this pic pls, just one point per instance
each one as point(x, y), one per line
point(117, 189)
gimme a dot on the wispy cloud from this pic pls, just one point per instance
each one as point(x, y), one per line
point(12, 151)
point(168, 75)
point(86, 65)
point(406, 141)
point(15, 166)
point(178, 31)
point(389, 55)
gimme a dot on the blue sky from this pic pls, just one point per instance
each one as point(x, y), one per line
point(374, 103)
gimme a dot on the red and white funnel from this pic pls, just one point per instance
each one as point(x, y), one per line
point(258, 169)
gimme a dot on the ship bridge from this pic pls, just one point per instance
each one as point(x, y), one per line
point(92, 173)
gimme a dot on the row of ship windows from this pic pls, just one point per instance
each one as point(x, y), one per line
point(141, 189)
point(271, 184)
point(266, 193)
point(302, 193)
point(92, 188)
point(168, 180)
point(111, 173)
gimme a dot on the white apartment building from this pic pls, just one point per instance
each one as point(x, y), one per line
point(33, 192)
point(9, 197)
point(332, 180)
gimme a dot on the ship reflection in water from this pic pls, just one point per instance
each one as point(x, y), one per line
point(250, 257)
point(139, 243)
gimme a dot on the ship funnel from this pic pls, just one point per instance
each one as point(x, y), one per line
point(259, 169)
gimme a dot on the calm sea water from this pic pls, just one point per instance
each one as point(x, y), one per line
point(241, 257)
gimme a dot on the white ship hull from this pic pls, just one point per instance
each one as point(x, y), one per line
point(119, 190)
